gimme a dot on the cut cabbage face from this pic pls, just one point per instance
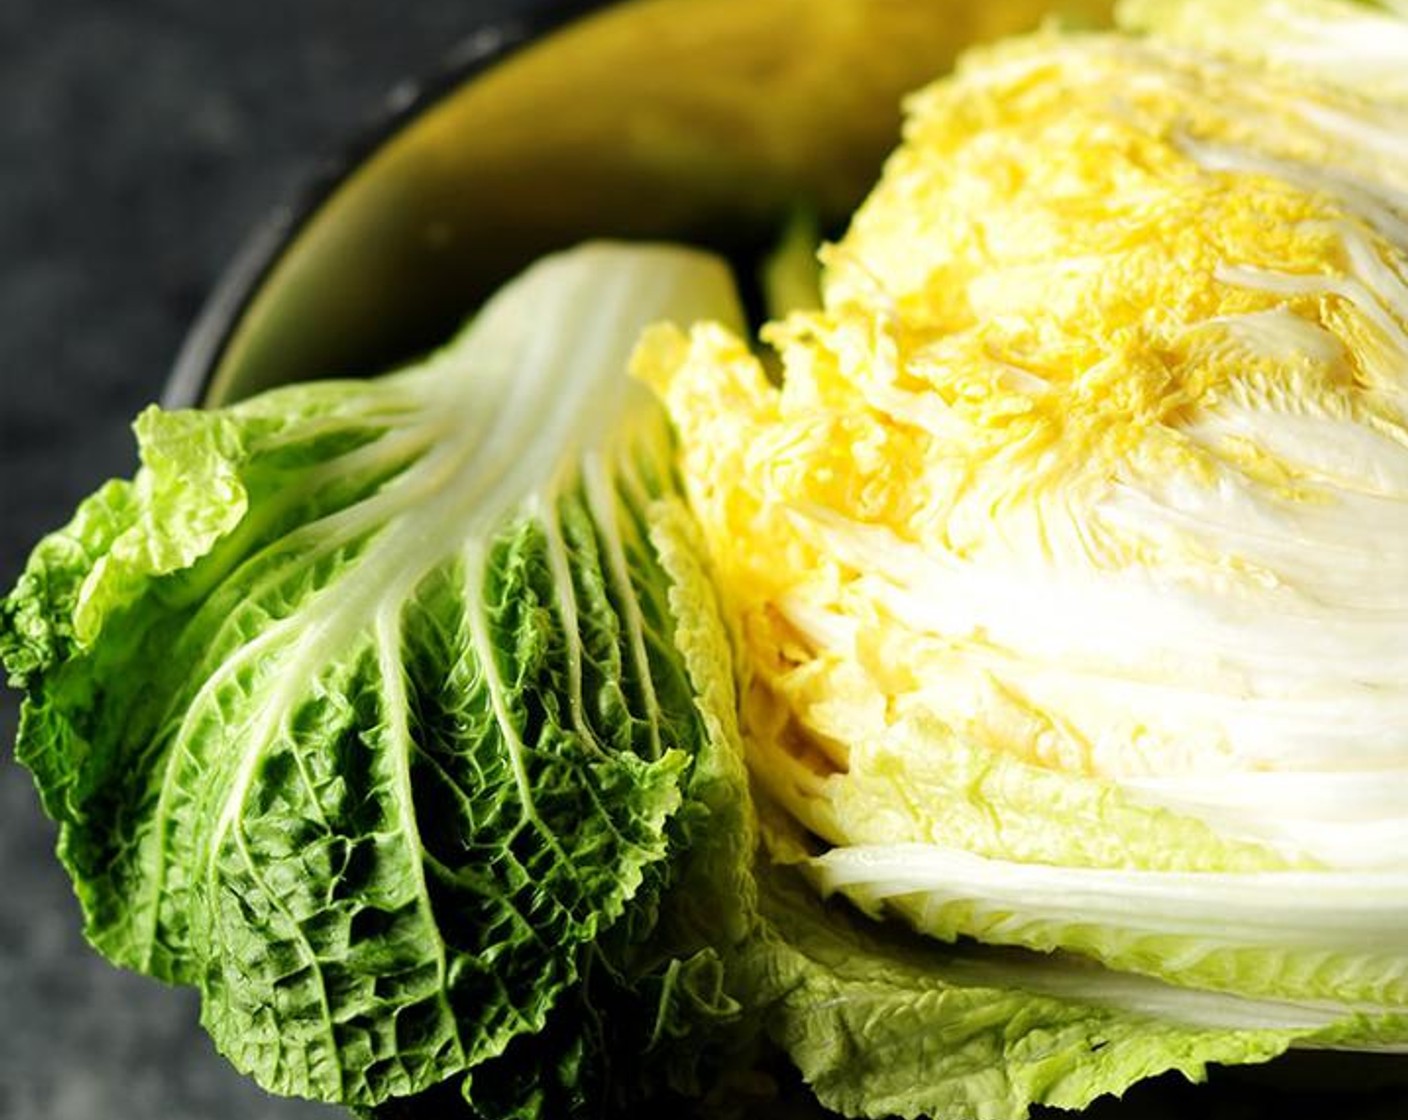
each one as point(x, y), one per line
point(1069, 560)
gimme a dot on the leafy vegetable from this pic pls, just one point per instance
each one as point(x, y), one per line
point(1063, 632)
point(1067, 565)
point(365, 707)
point(881, 1026)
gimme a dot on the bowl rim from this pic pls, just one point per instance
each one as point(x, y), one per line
point(488, 43)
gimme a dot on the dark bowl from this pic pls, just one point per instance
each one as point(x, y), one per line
point(696, 120)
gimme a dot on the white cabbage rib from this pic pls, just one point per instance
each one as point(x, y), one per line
point(1339, 42)
point(1337, 937)
point(1354, 820)
point(1289, 682)
point(1340, 912)
point(500, 436)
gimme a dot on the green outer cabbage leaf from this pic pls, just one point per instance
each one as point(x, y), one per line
point(653, 1014)
point(360, 707)
point(961, 841)
point(883, 1022)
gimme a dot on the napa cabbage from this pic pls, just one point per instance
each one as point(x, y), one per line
point(1067, 561)
point(1003, 705)
point(367, 707)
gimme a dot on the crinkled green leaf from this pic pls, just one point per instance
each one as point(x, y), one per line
point(360, 707)
point(653, 1013)
point(885, 1023)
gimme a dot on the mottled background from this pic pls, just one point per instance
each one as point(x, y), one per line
point(139, 141)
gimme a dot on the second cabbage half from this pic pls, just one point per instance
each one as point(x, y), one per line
point(1067, 559)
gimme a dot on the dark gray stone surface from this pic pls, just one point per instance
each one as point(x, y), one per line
point(139, 140)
